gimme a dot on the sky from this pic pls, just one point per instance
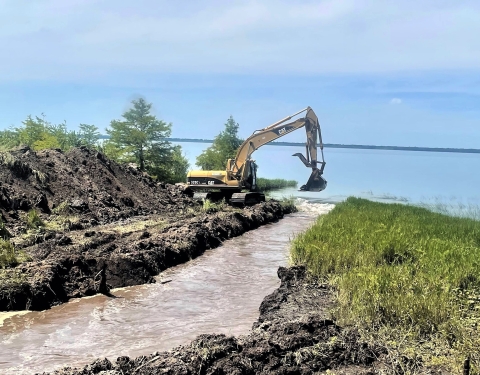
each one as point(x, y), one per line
point(384, 72)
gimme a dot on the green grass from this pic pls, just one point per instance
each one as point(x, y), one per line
point(404, 275)
point(34, 220)
point(9, 257)
point(265, 184)
point(209, 206)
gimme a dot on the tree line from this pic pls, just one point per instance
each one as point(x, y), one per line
point(138, 137)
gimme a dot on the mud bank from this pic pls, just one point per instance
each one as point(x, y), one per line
point(84, 263)
point(293, 335)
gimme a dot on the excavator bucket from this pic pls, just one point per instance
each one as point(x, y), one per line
point(316, 182)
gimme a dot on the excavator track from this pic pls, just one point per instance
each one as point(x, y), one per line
point(246, 199)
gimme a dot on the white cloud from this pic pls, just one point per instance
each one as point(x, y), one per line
point(88, 39)
point(396, 101)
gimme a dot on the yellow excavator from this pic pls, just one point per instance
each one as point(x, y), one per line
point(241, 172)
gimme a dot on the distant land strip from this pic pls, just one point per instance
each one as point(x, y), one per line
point(360, 147)
point(338, 145)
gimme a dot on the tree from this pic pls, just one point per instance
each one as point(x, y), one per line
point(66, 139)
point(31, 131)
point(224, 147)
point(46, 141)
point(140, 138)
point(177, 165)
point(9, 138)
point(180, 165)
point(139, 131)
point(41, 134)
point(88, 135)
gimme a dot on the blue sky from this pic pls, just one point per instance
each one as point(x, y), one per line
point(376, 72)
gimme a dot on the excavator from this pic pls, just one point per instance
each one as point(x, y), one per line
point(241, 173)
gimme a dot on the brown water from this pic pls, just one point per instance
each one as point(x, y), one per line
point(219, 292)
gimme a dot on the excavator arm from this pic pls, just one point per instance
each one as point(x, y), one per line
point(236, 167)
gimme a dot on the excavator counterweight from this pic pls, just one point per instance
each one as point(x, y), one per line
point(240, 173)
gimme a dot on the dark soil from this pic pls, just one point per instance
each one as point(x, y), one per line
point(106, 226)
point(95, 188)
point(293, 335)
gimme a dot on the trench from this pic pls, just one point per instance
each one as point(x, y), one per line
point(219, 292)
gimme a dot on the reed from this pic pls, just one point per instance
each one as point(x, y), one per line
point(265, 184)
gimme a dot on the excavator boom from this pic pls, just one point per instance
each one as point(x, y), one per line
point(280, 128)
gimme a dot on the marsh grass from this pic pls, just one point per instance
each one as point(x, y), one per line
point(405, 276)
point(265, 184)
point(458, 209)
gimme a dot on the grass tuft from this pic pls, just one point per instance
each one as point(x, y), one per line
point(211, 207)
point(34, 221)
point(9, 257)
point(62, 209)
point(405, 276)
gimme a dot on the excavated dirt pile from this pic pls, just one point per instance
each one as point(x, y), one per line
point(97, 189)
point(292, 336)
point(101, 226)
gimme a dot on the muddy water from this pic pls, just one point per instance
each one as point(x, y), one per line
point(220, 292)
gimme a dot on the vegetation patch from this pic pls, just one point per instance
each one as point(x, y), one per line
point(9, 257)
point(265, 184)
point(209, 206)
point(135, 226)
point(406, 277)
point(34, 221)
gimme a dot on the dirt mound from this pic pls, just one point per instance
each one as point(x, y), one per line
point(292, 336)
point(83, 181)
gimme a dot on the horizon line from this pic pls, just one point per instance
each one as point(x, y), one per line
point(340, 145)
